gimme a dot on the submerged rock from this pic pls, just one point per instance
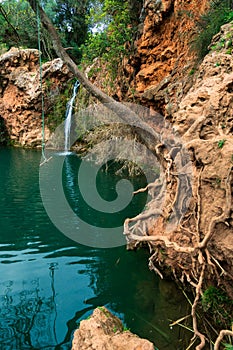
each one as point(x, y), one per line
point(105, 331)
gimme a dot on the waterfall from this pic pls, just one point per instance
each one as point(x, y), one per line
point(68, 119)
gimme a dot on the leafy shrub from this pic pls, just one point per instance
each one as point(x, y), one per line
point(228, 347)
point(219, 13)
point(113, 29)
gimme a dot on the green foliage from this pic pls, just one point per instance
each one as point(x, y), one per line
point(69, 18)
point(192, 71)
point(218, 306)
point(95, 46)
point(228, 346)
point(104, 310)
point(20, 20)
point(229, 51)
point(113, 31)
point(105, 26)
point(220, 12)
point(221, 143)
point(19, 25)
point(3, 48)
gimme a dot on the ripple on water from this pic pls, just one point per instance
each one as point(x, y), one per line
point(49, 283)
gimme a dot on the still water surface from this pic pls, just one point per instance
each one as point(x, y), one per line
point(48, 283)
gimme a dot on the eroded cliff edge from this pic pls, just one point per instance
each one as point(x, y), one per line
point(20, 95)
point(204, 119)
point(196, 99)
point(199, 250)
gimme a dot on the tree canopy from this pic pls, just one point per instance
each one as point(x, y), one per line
point(87, 27)
point(19, 25)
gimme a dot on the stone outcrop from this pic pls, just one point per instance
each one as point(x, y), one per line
point(162, 55)
point(163, 49)
point(20, 94)
point(105, 331)
point(197, 97)
point(203, 117)
point(205, 121)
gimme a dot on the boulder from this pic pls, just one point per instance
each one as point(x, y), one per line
point(20, 94)
point(104, 331)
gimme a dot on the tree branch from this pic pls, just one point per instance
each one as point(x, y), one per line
point(3, 12)
point(122, 111)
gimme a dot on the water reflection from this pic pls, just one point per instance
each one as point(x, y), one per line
point(43, 312)
point(28, 319)
point(49, 283)
point(147, 305)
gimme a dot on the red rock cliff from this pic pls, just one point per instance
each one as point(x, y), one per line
point(20, 93)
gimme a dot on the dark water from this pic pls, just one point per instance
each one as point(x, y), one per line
point(48, 283)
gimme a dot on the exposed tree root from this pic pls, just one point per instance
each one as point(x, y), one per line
point(197, 333)
point(187, 246)
point(224, 215)
point(187, 242)
point(163, 239)
point(223, 333)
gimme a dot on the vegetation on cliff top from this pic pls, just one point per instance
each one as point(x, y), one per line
point(88, 28)
point(114, 26)
point(209, 24)
point(19, 25)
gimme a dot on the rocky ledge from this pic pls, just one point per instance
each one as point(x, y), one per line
point(20, 94)
point(105, 331)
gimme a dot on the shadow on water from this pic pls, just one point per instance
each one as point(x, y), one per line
point(49, 283)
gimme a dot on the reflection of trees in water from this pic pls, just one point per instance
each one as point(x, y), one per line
point(26, 318)
point(28, 321)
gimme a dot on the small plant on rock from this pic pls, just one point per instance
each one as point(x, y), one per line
point(219, 13)
point(217, 304)
point(221, 143)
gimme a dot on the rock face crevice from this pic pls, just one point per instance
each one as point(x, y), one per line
point(156, 73)
point(4, 136)
point(20, 94)
point(163, 48)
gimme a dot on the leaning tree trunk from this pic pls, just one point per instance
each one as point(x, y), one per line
point(127, 115)
point(61, 52)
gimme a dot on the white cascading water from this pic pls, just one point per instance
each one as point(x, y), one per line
point(68, 119)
